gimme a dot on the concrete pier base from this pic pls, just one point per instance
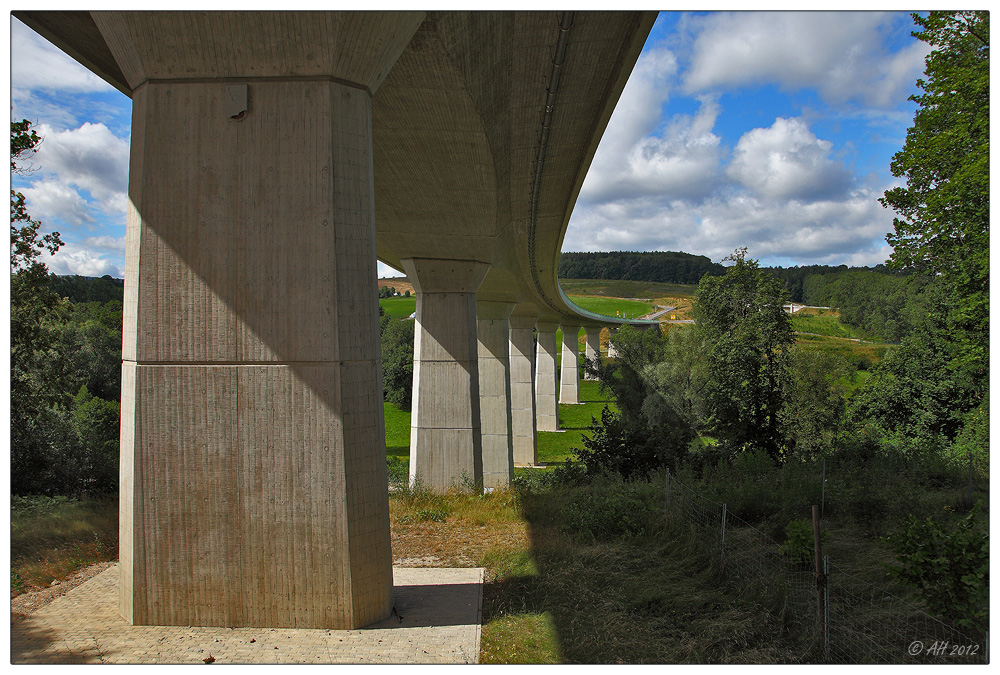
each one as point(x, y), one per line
point(569, 375)
point(494, 392)
point(522, 390)
point(252, 471)
point(593, 349)
point(445, 429)
point(546, 380)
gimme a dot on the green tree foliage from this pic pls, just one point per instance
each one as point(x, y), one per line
point(747, 337)
point(660, 266)
point(678, 381)
point(652, 428)
point(397, 360)
point(87, 289)
point(917, 397)
point(949, 568)
point(96, 424)
point(942, 222)
point(876, 302)
point(815, 402)
point(90, 341)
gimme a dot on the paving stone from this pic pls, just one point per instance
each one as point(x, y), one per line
point(441, 610)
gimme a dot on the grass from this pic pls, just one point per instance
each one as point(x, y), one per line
point(826, 325)
point(399, 308)
point(626, 289)
point(397, 431)
point(612, 306)
point(557, 446)
point(50, 538)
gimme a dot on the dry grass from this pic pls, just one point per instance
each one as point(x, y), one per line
point(52, 538)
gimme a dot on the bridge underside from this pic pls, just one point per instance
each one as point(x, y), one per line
point(275, 157)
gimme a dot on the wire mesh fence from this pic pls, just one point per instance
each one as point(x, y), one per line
point(833, 615)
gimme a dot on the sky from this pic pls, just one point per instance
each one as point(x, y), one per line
point(766, 130)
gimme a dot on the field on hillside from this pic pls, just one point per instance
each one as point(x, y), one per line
point(612, 306)
point(399, 308)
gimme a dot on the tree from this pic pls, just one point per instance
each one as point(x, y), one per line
point(815, 401)
point(942, 223)
point(747, 337)
point(34, 427)
point(651, 428)
point(397, 360)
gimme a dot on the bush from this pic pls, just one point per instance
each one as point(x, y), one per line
point(612, 511)
point(800, 541)
point(949, 569)
point(617, 447)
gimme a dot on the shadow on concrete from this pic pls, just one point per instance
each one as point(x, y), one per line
point(30, 643)
point(433, 605)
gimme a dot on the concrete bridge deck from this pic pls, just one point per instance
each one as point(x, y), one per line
point(274, 157)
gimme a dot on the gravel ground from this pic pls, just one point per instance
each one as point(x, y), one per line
point(26, 604)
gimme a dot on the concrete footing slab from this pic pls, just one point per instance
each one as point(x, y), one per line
point(437, 619)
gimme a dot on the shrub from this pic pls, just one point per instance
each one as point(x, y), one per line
point(617, 447)
point(800, 541)
point(612, 511)
point(949, 569)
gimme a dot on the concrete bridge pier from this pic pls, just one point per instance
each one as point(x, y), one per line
point(522, 390)
point(593, 349)
point(569, 379)
point(252, 469)
point(495, 392)
point(445, 427)
point(546, 380)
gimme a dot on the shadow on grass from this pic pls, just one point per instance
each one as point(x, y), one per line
point(649, 599)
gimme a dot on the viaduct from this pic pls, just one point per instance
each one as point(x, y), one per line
point(275, 156)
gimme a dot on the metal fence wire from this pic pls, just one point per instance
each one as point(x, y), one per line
point(835, 617)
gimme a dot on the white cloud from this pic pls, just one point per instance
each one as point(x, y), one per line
point(37, 64)
point(106, 243)
point(73, 259)
point(682, 161)
point(639, 110)
point(850, 230)
point(787, 161)
point(841, 54)
point(49, 200)
point(89, 157)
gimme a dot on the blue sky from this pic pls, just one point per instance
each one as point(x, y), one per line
point(768, 130)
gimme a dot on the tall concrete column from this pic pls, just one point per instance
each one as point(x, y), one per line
point(494, 392)
point(546, 380)
point(252, 472)
point(593, 349)
point(522, 390)
point(569, 376)
point(445, 430)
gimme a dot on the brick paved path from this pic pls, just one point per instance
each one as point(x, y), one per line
point(440, 609)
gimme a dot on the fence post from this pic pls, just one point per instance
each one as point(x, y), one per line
point(822, 495)
point(666, 503)
point(722, 543)
point(820, 577)
point(826, 605)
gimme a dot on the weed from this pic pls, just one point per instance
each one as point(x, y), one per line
point(425, 515)
point(800, 541)
point(613, 510)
